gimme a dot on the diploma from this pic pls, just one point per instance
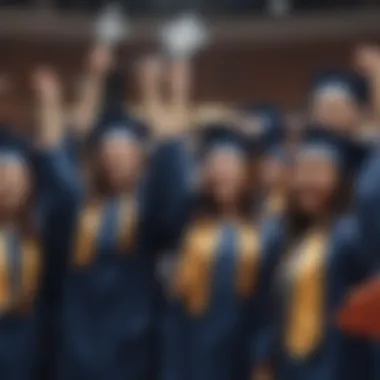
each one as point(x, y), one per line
point(184, 36)
point(111, 26)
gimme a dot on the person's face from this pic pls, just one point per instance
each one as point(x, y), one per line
point(224, 175)
point(15, 186)
point(338, 112)
point(121, 161)
point(315, 180)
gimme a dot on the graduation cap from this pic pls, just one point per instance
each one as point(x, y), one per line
point(13, 148)
point(347, 155)
point(222, 136)
point(117, 124)
point(347, 84)
point(264, 125)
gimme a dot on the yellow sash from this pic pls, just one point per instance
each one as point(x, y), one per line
point(30, 270)
point(30, 273)
point(248, 259)
point(194, 274)
point(5, 288)
point(305, 324)
point(193, 278)
point(89, 225)
point(87, 231)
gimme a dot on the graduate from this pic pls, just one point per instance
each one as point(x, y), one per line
point(109, 289)
point(208, 320)
point(109, 303)
point(34, 193)
point(320, 261)
point(338, 100)
point(21, 264)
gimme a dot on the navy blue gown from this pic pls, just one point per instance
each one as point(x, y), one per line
point(301, 321)
point(24, 270)
point(109, 298)
point(368, 211)
point(213, 295)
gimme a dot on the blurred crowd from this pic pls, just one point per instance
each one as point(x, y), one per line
point(179, 241)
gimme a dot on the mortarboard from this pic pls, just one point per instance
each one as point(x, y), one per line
point(343, 83)
point(222, 136)
point(117, 124)
point(346, 154)
point(265, 125)
point(13, 148)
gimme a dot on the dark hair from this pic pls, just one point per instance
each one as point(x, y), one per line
point(26, 216)
point(206, 206)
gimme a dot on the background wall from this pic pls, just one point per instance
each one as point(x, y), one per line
point(234, 73)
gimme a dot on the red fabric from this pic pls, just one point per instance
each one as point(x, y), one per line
point(360, 314)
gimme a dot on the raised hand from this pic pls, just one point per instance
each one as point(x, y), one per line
point(89, 99)
point(50, 116)
point(180, 79)
point(101, 60)
point(149, 74)
point(46, 83)
point(367, 58)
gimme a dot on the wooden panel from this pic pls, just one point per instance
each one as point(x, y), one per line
point(237, 74)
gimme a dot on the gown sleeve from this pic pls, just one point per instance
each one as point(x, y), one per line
point(348, 269)
point(367, 202)
point(168, 192)
point(264, 327)
point(58, 198)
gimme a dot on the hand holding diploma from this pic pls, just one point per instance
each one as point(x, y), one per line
point(111, 27)
point(184, 36)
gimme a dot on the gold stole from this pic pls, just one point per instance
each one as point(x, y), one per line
point(192, 282)
point(305, 323)
point(5, 286)
point(89, 224)
point(248, 259)
point(30, 270)
point(30, 273)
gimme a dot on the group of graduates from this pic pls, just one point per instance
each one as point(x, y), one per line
point(167, 242)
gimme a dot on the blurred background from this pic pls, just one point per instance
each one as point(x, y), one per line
point(276, 44)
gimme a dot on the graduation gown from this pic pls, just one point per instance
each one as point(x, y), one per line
point(368, 209)
point(211, 300)
point(368, 215)
point(109, 299)
point(20, 263)
point(310, 288)
point(23, 272)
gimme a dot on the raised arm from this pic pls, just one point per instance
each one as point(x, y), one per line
point(56, 174)
point(90, 97)
point(58, 189)
point(368, 60)
point(168, 189)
